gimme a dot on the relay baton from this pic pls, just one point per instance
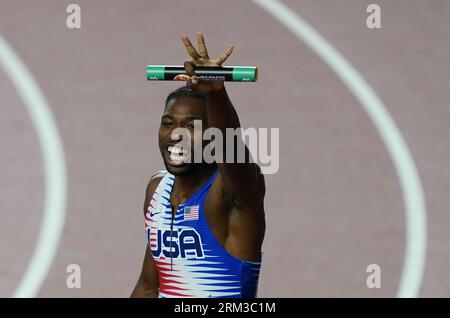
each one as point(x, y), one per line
point(204, 73)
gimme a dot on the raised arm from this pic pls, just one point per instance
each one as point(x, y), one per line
point(243, 181)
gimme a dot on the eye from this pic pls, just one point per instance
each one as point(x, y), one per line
point(190, 125)
point(166, 122)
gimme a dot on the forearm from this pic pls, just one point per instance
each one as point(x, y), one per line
point(240, 178)
point(222, 115)
point(220, 110)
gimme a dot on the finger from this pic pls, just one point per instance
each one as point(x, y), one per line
point(190, 49)
point(192, 83)
point(189, 68)
point(202, 46)
point(225, 55)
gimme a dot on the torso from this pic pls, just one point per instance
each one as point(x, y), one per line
point(204, 248)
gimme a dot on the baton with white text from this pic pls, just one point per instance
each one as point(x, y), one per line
point(204, 73)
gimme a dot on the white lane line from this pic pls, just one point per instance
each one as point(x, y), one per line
point(54, 171)
point(413, 195)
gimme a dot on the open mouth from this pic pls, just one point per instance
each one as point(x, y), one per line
point(177, 155)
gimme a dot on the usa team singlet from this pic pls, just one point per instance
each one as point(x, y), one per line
point(190, 260)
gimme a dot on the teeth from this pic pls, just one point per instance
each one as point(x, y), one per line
point(178, 155)
point(177, 150)
point(174, 150)
point(176, 158)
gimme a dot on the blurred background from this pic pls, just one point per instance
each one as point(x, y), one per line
point(334, 207)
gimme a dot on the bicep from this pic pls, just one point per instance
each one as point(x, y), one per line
point(244, 184)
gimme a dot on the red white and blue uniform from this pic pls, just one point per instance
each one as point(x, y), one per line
point(191, 262)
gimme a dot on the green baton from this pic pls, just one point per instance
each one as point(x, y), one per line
point(204, 73)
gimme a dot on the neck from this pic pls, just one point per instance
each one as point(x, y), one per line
point(186, 185)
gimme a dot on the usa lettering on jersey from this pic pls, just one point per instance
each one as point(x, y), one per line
point(183, 243)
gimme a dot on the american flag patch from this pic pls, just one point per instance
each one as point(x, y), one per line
point(191, 212)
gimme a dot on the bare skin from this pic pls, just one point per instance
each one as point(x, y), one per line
point(234, 206)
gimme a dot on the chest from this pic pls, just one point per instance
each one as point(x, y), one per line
point(182, 230)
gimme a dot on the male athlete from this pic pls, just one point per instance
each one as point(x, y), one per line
point(205, 221)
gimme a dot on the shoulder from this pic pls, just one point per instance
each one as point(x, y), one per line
point(153, 183)
point(155, 179)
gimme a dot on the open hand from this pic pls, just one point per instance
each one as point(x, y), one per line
point(201, 58)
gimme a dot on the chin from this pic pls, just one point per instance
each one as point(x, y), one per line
point(180, 170)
